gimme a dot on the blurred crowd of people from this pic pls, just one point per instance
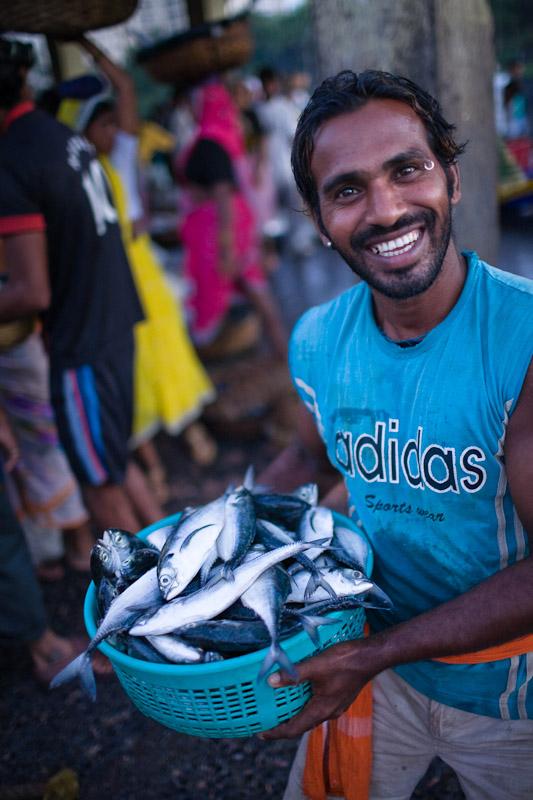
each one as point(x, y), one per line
point(93, 361)
point(512, 117)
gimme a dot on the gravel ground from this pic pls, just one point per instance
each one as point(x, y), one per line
point(114, 750)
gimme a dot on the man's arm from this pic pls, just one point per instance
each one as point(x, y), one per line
point(27, 288)
point(495, 611)
point(304, 461)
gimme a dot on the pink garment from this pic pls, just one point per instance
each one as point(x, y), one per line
point(212, 294)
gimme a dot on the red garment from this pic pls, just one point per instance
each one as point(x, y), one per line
point(212, 293)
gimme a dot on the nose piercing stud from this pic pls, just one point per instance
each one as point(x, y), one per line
point(429, 165)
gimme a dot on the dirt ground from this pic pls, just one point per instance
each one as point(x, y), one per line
point(115, 751)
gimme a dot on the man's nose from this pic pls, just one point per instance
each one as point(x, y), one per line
point(385, 204)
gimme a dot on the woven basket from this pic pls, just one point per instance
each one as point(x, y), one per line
point(63, 18)
point(194, 55)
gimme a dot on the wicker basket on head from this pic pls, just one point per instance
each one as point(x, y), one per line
point(199, 52)
point(63, 18)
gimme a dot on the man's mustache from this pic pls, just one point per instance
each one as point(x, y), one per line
point(379, 232)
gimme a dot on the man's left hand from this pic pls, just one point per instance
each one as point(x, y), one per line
point(337, 675)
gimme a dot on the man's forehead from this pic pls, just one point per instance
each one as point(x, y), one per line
point(371, 133)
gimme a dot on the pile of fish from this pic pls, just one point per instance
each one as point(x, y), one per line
point(236, 575)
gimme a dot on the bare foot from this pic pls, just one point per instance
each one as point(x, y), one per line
point(51, 653)
point(79, 543)
point(202, 446)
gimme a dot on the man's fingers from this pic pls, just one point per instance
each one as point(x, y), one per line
point(309, 717)
point(305, 671)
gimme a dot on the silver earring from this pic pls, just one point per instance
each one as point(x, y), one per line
point(329, 245)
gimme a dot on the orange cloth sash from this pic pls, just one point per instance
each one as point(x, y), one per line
point(338, 761)
point(339, 752)
point(516, 647)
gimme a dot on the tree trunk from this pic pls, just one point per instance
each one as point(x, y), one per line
point(446, 46)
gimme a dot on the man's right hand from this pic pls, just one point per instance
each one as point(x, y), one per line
point(337, 675)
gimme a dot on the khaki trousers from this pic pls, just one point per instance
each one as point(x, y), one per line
point(493, 758)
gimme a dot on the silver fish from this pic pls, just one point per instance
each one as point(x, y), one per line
point(158, 537)
point(316, 523)
point(176, 650)
point(123, 611)
point(344, 581)
point(308, 493)
point(214, 598)
point(349, 547)
point(105, 562)
point(187, 548)
point(273, 535)
point(238, 531)
point(124, 542)
point(266, 597)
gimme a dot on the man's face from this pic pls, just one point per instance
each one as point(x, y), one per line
point(385, 201)
point(102, 131)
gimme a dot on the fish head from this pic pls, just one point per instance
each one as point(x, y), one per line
point(167, 576)
point(123, 541)
point(103, 562)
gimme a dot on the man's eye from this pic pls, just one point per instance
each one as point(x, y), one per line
point(408, 170)
point(348, 191)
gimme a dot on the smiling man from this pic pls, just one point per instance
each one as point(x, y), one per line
point(420, 392)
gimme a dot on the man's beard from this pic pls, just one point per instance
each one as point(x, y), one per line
point(407, 282)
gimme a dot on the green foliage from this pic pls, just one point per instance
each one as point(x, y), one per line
point(513, 31)
point(284, 41)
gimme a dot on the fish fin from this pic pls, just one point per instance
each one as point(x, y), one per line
point(310, 624)
point(319, 542)
point(276, 655)
point(80, 668)
point(188, 538)
point(248, 481)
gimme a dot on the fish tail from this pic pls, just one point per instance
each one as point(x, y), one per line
point(227, 573)
point(314, 582)
point(80, 668)
point(276, 655)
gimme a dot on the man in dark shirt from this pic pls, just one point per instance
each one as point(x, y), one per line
point(66, 260)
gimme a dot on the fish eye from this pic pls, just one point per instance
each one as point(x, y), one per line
point(164, 580)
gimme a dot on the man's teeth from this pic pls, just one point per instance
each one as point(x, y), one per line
point(397, 246)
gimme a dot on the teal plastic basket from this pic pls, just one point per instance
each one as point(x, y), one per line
point(222, 699)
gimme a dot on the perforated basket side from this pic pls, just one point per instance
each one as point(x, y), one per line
point(221, 699)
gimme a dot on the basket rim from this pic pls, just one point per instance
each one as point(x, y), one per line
point(187, 670)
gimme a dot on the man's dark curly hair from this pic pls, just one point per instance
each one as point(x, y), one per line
point(349, 91)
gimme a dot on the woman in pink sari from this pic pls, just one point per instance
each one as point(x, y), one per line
point(221, 249)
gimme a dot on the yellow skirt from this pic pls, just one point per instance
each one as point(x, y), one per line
point(171, 386)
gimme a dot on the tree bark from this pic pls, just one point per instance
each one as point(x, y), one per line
point(446, 46)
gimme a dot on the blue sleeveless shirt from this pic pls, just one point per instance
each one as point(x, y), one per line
point(418, 434)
